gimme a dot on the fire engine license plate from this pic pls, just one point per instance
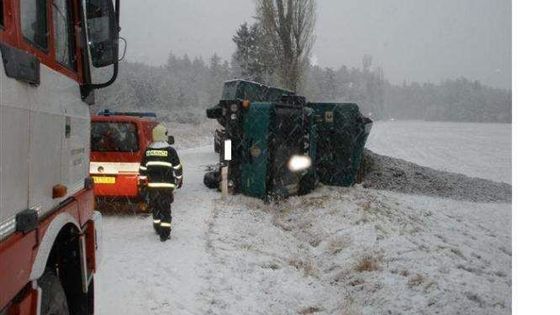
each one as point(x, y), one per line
point(103, 180)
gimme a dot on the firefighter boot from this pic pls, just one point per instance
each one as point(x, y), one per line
point(164, 234)
point(164, 231)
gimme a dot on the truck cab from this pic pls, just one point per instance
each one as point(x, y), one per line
point(275, 144)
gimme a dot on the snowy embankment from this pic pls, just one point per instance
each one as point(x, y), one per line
point(336, 251)
point(388, 173)
point(357, 251)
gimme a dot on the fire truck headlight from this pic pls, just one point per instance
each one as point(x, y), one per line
point(299, 163)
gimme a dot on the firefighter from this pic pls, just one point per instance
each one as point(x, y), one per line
point(162, 173)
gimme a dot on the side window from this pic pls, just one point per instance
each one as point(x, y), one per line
point(34, 22)
point(1, 14)
point(64, 37)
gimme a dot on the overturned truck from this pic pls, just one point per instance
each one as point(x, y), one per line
point(275, 144)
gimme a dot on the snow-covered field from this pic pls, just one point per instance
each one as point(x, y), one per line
point(335, 251)
point(478, 150)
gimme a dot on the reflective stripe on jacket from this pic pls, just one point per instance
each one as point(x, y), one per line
point(161, 166)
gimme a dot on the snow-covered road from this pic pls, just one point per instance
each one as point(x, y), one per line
point(141, 275)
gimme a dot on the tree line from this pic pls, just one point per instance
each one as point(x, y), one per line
point(180, 90)
point(183, 88)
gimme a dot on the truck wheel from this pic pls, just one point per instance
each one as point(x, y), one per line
point(53, 298)
point(212, 179)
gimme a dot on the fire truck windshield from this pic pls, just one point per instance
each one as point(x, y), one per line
point(114, 137)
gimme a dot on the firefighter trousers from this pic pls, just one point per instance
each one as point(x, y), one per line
point(159, 201)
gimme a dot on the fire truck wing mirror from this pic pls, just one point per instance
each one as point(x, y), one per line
point(102, 32)
point(171, 140)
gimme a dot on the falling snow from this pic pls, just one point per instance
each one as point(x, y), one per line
point(336, 251)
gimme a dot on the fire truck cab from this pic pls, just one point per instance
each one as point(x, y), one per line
point(118, 143)
point(50, 235)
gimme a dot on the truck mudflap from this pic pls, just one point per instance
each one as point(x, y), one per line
point(91, 247)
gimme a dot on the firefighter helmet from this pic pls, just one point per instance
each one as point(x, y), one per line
point(159, 133)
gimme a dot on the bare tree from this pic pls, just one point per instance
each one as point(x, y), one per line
point(289, 25)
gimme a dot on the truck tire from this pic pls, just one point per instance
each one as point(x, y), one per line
point(212, 179)
point(53, 298)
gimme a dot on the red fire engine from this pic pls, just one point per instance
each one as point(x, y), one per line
point(118, 142)
point(49, 232)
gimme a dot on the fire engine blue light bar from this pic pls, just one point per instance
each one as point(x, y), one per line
point(135, 114)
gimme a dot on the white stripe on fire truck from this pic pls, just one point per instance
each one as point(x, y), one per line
point(161, 185)
point(114, 167)
point(177, 166)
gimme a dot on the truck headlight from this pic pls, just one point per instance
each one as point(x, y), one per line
point(299, 163)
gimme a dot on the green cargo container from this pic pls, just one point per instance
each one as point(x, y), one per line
point(342, 133)
point(274, 94)
point(252, 91)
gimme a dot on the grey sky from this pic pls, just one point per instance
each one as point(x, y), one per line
point(414, 40)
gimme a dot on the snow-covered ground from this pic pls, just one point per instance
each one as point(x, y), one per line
point(478, 150)
point(335, 251)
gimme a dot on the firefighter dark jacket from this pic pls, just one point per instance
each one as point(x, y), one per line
point(161, 166)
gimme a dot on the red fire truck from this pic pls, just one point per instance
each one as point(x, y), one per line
point(49, 232)
point(118, 143)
